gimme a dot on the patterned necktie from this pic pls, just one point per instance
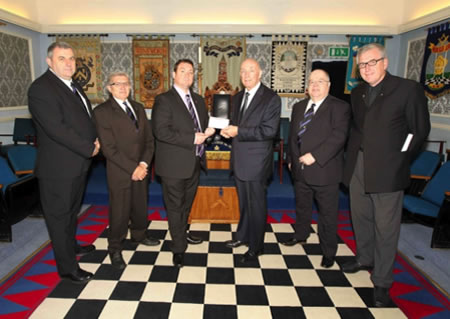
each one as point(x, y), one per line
point(131, 115)
point(244, 106)
point(304, 123)
point(75, 91)
point(200, 149)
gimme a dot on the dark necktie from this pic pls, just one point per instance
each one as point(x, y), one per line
point(75, 91)
point(131, 115)
point(304, 123)
point(200, 149)
point(244, 106)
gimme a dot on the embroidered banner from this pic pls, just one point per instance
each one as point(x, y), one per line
point(289, 67)
point(435, 74)
point(89, 64)
point(352, 78)
point(220, 59)
point(150, 69)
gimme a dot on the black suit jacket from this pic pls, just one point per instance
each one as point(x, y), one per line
point(381, 130)
point(324, 138)
point(252, 148)
point(174, 133)
point(65, 132)
point(123, 146)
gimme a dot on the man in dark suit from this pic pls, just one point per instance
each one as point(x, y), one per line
point(317, 136)
point(67, 140)
point(179, 121)
point(127, 144)
point(255, 123)
point(390, 123)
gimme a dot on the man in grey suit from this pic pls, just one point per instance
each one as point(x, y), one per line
point(179, 122)
point(67, 140)
point(127, 140)
point(390, 123)
point(317, 135)
point(255, 123)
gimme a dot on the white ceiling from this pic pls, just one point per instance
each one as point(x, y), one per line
point(232, 16)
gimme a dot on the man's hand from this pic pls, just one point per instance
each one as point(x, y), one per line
point(229, 131)
point(139, 173)
point(97, 147)
point(210, 131)
point(307, 159)
point(200, 138)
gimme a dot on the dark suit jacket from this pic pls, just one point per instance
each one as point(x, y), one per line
point(324, 138)
point(252, 148)
point(381, 130)
point(174, 133)
point(65, 132)
point(121, 144)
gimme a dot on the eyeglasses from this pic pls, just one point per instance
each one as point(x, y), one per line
point(373, 62)
point(118, 84)
point(320, 82)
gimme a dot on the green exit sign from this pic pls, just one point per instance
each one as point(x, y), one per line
point(338, 52)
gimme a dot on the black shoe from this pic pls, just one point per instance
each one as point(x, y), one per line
point(327, 262)
point(193, 240)
point(79, 276)
point(147, 241)
point(381, 297)
point(234, 243)
point(354, 266)
point(293, 241)
point(117, 260)
point(251, 256)
point(178, 259)
point(83, 250)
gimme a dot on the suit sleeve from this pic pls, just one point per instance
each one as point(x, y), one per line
point(108, 142)
point(163, 125)
point(418, 119)
point(46, 110)
point(268, 127)
point(340, 119)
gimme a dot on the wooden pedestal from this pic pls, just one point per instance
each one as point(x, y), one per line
point(215, 204)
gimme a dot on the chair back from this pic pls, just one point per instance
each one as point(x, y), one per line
point(6, 174)
point(440, 183)
point(425, 164)
point(22, 159)
point(24, 131)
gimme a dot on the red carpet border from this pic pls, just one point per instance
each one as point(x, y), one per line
point(24, 290)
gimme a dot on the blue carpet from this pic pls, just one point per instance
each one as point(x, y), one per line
point(280, 196)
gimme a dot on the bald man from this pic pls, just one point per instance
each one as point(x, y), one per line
point(255, 123)
point(318, 131)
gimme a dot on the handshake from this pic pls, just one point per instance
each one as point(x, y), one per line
point(201, 137)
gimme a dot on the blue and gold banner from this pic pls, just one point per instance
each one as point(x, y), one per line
point(435, 74)
point(352, 79)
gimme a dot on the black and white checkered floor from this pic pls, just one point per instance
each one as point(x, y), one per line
point(286, 282)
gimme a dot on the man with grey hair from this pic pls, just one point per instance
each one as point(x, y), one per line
point(390, 123)
point(67, 140)
point(128, 145)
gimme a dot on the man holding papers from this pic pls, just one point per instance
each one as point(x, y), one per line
point(390, 123)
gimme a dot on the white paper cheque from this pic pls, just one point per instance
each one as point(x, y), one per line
point(217, 122)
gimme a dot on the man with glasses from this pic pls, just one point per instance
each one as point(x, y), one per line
point(127, 141)
point(390, 123)
point(317, 135)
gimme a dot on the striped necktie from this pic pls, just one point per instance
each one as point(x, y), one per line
point(200, 149)
point(131, 115)
point(304, 123)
